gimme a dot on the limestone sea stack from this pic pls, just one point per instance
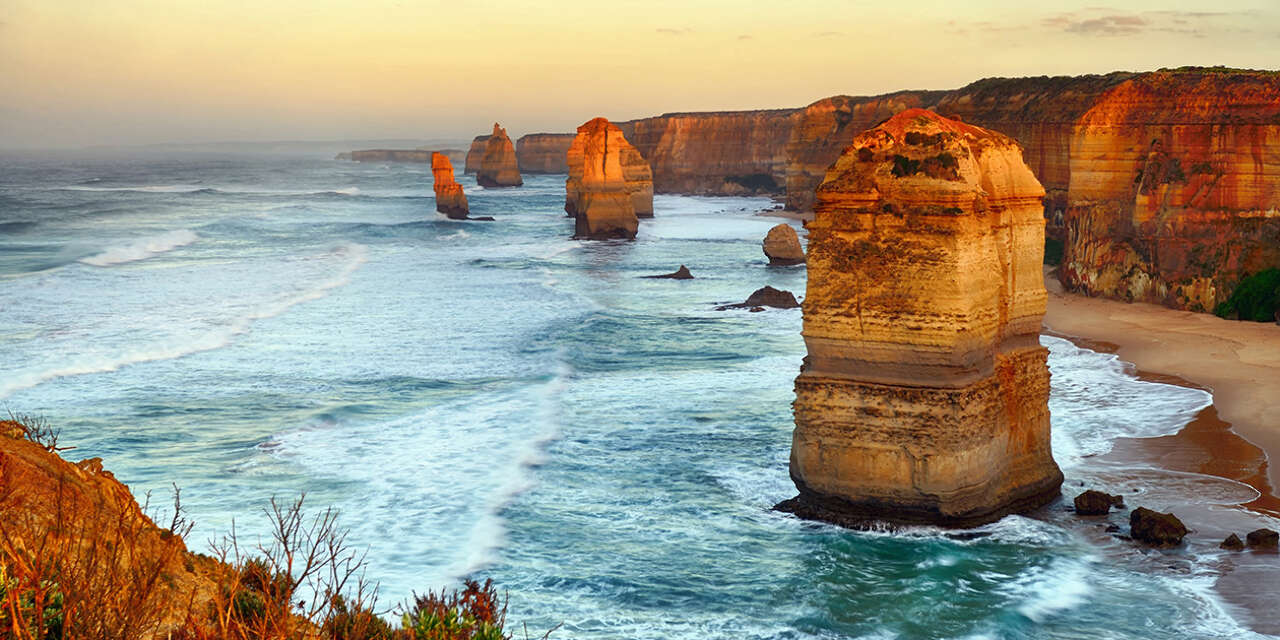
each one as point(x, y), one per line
point(924, 397)
point(498, 167)
point(450, 200)
point(782, 246)
point(475, 154)
point(609, 183)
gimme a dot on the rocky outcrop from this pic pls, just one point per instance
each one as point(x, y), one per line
point(765, 297)
point(544, 152)
point(1096, 503)
point(475, 154)
point(1263, 539)
point(498, 167)
point(1175, 187)
point(1162, 530)
point(679, 274)
point(715, 153)
point(1232, 543)
point(450, 200)
point(92, 536)
point(782, 246)
point(605, 187)
point(924, 396)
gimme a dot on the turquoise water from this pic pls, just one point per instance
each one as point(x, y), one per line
point(496, 400)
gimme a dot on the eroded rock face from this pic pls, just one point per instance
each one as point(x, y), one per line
point(1175, 188)
point(782, 246)
point(543, 152)
point(1156, 529)
point(450, 200)
point(498, 166)
point(609, 183)
point(924, 397)
point(475, 154)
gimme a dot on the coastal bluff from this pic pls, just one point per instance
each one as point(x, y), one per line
point(450, 200)
point(544, 152)
point(609, 185)
point(924, 396)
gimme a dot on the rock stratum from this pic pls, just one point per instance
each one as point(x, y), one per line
point(498, 166)
point(924, 396)
point(609, 185)
point(450, 200)
point(544, 152)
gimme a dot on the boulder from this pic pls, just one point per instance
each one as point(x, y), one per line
point(499, 166)
point(1094, 503)
point(680, 274)
point(450, 200)
point(1232, 543)
point(1156, 529)
point(1263, 539)
point(782, 246)
point(765, 297)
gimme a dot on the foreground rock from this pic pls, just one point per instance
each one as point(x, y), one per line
point(765, 297)
point(782, 246)
point(924, 397)
point(1263, 539)
point(606, 189)
point(498, 165)
point(1232, 543)
point(450, 200)
point(1096, 503)
point(680, 274)
point(1156, 529)
point(543, 152)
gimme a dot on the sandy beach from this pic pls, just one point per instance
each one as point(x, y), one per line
point(1239, 362)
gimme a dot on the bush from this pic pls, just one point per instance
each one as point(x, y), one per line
point(1256, 298)
point(1052, 251)
point(474, 613)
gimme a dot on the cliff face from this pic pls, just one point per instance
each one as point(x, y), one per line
point(498, 167)
point(450, 200)
point(397, 155)
point(924, 397)
point(544, 152)
point(475, 154)
point(724, 153)
point(608, 182)
point(87, 528)
point(1175, 188)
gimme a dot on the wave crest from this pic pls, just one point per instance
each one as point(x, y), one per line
point(142, 249)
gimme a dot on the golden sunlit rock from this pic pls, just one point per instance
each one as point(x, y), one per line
point(609, 183)
point(450, 200)
point(498, 166)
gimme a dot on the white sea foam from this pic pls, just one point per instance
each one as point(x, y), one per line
point(356, 255)
point(1061, 586)
point(142, 249)
point(169, 188)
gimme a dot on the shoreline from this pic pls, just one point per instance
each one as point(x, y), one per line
point(1237, 362)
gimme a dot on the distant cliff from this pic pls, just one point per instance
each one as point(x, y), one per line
point(543, 152)
point(475, 154)
point(398, 155)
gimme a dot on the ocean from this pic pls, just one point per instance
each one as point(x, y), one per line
point(495, 400)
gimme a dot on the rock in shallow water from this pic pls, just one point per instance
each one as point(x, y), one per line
point(1263, 539)
point(1232, 543)
point(680, 274)
point(1095, 503)
point(1156, 529)
point(765, 297)
point(782, 246)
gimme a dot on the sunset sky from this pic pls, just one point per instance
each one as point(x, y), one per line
point(88, 72)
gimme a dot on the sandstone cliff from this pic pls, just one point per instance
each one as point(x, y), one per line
point(544, 152)
point(719, 153)
point(450, 200)
point(608, 183)
point(924, 397)
point(498, 167)
point(475, 154)
point(1175, 187)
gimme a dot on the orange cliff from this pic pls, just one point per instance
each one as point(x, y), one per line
point(450, 200)
point(609, 184)
point(924, 396)
point(543, 152)
point(1174, 190)
point(498, 166)
point(76, 522)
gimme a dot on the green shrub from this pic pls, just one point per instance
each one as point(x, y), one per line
point(1256, 298)
point(904, 166)
point(1052, 251)
point(474, 613)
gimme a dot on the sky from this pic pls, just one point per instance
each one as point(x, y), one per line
point(119, 72)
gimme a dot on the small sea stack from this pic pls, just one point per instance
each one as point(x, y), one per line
point(450, 200)
point(609, 183)
point(782, 246)
point(924, 396)
point(475, 154)
point(499, 166)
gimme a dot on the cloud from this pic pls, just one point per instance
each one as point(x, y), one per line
point(1106, 25)
point(745, 37)
point(1104, 21)
point(668, 31)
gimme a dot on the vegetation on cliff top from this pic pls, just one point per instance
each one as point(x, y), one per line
point(1256, 298)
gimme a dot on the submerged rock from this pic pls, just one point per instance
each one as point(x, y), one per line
point(1156, 529)
point(765, 297)
point(925, 396)
point(782, 246)
point(1232, 543)
point(1263, 539)
point(679, 274)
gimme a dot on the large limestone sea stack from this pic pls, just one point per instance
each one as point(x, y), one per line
point(610, 184)
point(498, 166)
point(450, 200)
point(924, 397)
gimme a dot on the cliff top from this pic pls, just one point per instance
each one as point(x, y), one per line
point(439, 161)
